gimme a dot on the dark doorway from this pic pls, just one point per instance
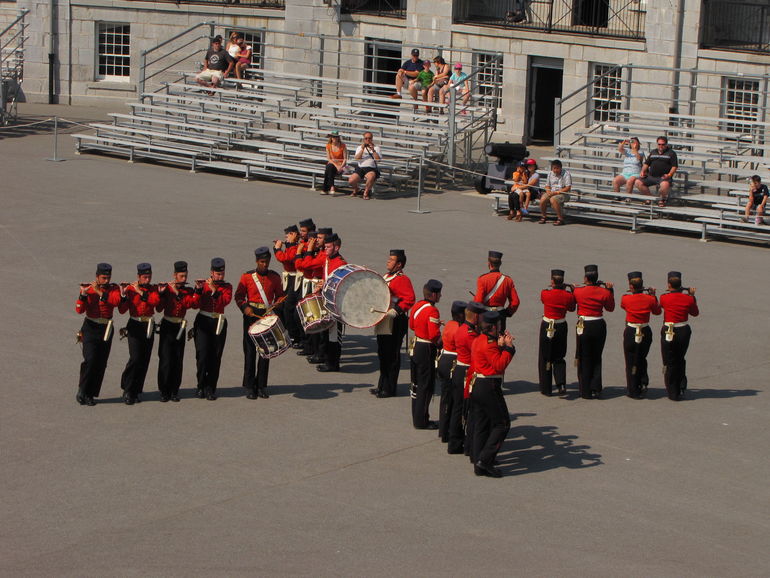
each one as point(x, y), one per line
point(383, 59)
point(545, 87)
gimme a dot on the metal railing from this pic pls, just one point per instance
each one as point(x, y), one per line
point(393, 8)
point(12, 39)
point(619, 18)
point(735, 25)
point(278, 4)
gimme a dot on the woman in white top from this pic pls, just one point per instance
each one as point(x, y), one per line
point(633, 159)
point(367, 155)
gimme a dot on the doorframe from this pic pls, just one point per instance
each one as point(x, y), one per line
point(534, 62)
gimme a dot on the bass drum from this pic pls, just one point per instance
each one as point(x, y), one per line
point(357, 296)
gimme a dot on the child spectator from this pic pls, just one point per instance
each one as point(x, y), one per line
point(423, 81)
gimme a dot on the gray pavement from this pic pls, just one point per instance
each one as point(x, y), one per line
point(323, 479)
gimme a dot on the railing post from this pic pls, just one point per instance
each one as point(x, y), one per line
point(142, 73)
point(452, 126)
point(212, 24)
point(420, 183)
point(557, 122)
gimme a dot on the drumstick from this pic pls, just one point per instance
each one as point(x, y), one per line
point(373, 310)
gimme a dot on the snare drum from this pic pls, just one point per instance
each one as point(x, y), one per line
point(313, 316)
point(269, 336)
point(358, 296)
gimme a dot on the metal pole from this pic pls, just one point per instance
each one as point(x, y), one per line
point(419, 209)
point(557, 122)
point(142, 73)
point(452, 126)
point(55, 158)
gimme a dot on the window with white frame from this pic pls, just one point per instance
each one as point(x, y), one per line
point(607, 95)
point(113, 51)
point(489, 80)
point(256, 41)
point(740, 101)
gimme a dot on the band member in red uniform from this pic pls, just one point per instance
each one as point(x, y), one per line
point(592, 299)
point(311, 261)
point(286, 253)
point(492, 351)
point(494, 289)
point(97, 301)
point(461, 419)
point(678, 304)
point(392, 330)
point(142, 300)
point(446, 364)
point(424, 320)
point(259, 291)
point(638, 304)
point(306, 231)
point(175, 299)
point(557, 300)
point(210, 328)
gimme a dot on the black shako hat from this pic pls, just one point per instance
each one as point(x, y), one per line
point(557, 272)
point(591, 269)
point(459, 306)
point(103, 269)
point(397, 253)
point(307, 223)
point(634, 275)
point(180, 267)
point(261, 253)
point(291, 229)
point(143, 269)
point(495, 255)
point(476, 307)
point(674, 274)
point(491, 317)
point(218, 264)
point(434, 286)
point(332, 238)
point(325, 231)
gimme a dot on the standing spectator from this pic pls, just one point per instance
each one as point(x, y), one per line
point(422, 83)
point(758, 194)
point(658, 170)
point(557, 184)
point(217, 65)
point(459, 82)
point(336, 157)
point(632, 164)
point(367, 155)
point(440, 79)
point(408, 72)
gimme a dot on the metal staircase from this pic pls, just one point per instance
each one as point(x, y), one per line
point(12, 39)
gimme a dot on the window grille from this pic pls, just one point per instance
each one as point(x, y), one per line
point(489, 80)
point(740, 101)
point(256, 41)
point(607, 95)
point(114, 43)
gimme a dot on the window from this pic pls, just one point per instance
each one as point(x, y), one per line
point(489, 80)
point(114, 43)
point(593, 13)
point(607, 97)
point(256, 41)
point(740, 101)
point(383, 59)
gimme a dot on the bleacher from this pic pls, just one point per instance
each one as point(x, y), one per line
point(710, 191)
point(275, 125)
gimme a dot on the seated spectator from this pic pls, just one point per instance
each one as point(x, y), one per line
point(240, 52)
point(632, 164)
point(217, 65)
point(460, 83)
point(423, 81)
point(519, 177)
point(558, 183)
point(758, 194)
point(336, 157)
point(532, 191)
point(440, 79)
point(658, 170)
point(367, 155)
point(408, 71)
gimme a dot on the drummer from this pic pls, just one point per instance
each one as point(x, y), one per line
point(259, 293)
point(307, 262)
point(306, 230)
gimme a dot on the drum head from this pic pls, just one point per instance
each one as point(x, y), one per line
point(262, 325)
point(362, 298)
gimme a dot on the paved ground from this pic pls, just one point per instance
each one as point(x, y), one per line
point(322, 479)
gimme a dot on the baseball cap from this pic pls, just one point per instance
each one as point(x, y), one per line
point(458, 65)
point(531, 162)
point(415, 52)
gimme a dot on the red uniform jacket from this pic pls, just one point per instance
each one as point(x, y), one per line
point(140, 303)
point(448, 335)
point(591, 299)
point(638, 307)
point(176, 305)
point(287, 256)
point(304, 263)
point(678, 306)
point(506, 291)
point(425, 321)
point(464, 337)
point(556, 303)
point(322, 266)
point(248, 292)
point(488, 358)
point(215, 302)
point(96, 307)
point(401, 291)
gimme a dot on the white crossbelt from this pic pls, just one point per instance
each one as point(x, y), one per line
point(671, 324)
point(549, 320)
point(586, 318)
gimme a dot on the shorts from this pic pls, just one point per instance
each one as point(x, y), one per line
point(654, 181)
point(560, 198)
point(210, 75)
point(441, 82)
point(244, 61)
point(630, 175)
point(418, 86)
point(363, 171)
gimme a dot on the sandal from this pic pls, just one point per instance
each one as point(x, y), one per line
point(558, 223)
point(517, 218)
point(662, 203)
point(366, 196)
point(542, 221)
point(509, 217)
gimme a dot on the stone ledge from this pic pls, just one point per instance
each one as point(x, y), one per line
point(111, 86)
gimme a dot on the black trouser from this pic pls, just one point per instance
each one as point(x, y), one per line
point(461, 419)
point(514, 201)
point(674, 364)
point(491, 419)
point(590, 347)
point(328, 349)
point(636, 359)
point(389, 355)
point(288, 312)
point(255, 367)
point(423, 382)
point(329, 175)
point(208, 351)
point(139, 353)
point(550, 358)
point(96, 352)
point(444, 369)
point(170, 358)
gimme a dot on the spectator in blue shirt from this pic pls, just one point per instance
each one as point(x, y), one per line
point(460, 83)
point(408, 71)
